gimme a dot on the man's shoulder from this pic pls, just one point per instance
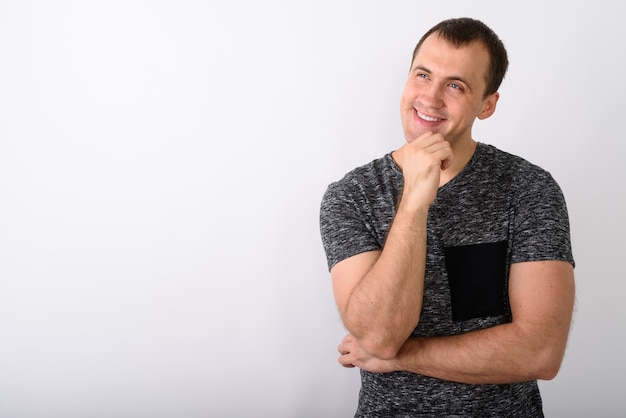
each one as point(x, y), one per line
point(512, 165)
point(371, 173)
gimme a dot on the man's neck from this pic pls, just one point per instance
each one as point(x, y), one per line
point(462, 155)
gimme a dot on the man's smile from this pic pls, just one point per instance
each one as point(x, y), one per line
point(427, 118)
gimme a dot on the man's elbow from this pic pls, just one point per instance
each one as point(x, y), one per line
point(383, 349)
point(549, 366)
point(386, 353)
point(384, 346)
point(548, 373)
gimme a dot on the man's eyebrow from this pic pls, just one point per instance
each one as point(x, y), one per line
point(420, 67)
point(449, 78)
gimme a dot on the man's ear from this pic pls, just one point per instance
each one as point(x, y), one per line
point(489, 106)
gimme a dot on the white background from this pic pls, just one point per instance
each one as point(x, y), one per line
point(161, 169)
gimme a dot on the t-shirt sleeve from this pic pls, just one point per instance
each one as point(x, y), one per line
point(343, 227)
point(541, 229)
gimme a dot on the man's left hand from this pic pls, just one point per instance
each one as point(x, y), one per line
point(353, 355)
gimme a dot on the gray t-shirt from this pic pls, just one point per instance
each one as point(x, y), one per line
point(499, 210)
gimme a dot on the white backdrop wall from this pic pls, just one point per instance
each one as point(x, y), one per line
point(161, 168)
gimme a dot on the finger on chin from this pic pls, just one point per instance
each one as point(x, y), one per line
point(345, 363)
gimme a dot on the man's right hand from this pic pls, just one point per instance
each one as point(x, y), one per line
point(422, 162)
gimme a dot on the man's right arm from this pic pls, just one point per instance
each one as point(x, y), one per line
point(379, 293)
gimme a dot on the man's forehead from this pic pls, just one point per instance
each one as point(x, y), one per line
point(436, 50)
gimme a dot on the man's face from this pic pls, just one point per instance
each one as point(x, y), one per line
point(444, 91)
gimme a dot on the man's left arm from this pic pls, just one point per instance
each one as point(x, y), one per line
point(532, 346)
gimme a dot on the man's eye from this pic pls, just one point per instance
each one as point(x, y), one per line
point(456, 86)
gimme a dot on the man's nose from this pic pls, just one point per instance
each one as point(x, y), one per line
point(433, 95)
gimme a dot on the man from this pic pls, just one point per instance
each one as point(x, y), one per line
point(450, 260)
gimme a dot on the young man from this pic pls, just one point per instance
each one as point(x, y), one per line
point(450, 260)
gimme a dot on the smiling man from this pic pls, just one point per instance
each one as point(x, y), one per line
point(450, 259)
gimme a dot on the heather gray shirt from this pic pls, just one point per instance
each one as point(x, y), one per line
point(499, 210)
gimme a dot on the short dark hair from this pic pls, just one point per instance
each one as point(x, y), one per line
point(464, 31)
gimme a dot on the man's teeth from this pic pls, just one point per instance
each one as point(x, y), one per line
point(427, 118)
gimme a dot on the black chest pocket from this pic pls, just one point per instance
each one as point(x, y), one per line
point(477, 276)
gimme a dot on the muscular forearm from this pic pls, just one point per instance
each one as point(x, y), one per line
point(384, 307)
point(531, 347)
point(502, 354)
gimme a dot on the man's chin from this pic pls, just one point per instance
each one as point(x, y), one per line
point(412, 136)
